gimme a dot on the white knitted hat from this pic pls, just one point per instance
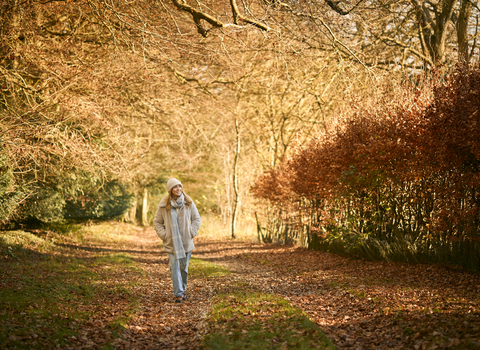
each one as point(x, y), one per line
point(171, 183)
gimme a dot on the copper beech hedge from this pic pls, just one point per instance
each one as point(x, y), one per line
point(398, 179)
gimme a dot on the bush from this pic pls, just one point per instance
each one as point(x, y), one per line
point(76, 197)
point(9, 197)
point(47, 206)
point(397, 180)
point(110, 202)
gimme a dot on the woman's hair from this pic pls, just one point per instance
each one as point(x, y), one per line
point(188, 201)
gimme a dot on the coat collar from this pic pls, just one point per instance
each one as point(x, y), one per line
point(163, 202)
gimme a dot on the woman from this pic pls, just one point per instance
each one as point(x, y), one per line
point(177, 222)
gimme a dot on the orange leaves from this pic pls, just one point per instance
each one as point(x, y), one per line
point(399, 137)
point(409, 163)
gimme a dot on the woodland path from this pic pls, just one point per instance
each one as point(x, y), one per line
point(358, 304)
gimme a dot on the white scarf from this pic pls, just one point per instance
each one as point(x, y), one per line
point(177, 212)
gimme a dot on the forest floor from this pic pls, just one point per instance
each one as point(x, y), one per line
point(128, 300)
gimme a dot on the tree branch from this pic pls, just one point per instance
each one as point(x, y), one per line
point(215, 23)
point(197, 16)
point(406, 47)
point(237, 14)
point(334, 6)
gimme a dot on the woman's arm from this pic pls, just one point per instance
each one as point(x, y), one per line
point(159, 224)
point(196, 220)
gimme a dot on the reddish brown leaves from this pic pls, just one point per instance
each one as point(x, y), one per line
point(368, 305)
point(359, 304)
point(405, 166)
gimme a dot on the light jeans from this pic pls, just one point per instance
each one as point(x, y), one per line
point(179, 274)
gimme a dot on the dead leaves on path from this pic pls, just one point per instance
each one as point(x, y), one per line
point(371, 305)
point(358, 304)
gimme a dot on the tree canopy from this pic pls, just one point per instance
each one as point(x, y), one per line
point(102, 92)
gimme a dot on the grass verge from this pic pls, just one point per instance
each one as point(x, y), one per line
point(49, 291)
point(199, 268)
point(244, 319)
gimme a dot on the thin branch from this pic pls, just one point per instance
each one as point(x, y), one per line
point(197, 16)
point(406, 47)
point(238, 15)
point(334, 6)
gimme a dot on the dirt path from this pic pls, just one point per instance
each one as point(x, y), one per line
point(359, 304)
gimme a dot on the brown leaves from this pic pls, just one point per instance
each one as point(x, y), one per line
point(402, 170)
point(359, 304)
point(368, 305)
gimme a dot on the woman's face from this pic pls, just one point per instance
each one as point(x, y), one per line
point(177, 191)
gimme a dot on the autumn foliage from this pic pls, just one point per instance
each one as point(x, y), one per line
point(397, 179)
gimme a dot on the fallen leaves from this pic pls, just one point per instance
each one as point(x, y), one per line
point(358, 304)
point(363, 304)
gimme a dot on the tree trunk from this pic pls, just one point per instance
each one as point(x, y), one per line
point(236, 203)
point(145, 207)
point(462, 27)
point(433, 30)
point(130, 214)
point(259, 229)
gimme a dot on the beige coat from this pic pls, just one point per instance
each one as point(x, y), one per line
point(163, 225)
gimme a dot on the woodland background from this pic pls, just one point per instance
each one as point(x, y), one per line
point(350, 126)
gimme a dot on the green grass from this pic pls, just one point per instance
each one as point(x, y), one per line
point(199, 268)
point(244, 319)
point(123, 259)
point(48, 291)
point(15, 243)
point(39, 301)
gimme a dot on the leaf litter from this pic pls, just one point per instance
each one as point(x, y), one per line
point(358, 304)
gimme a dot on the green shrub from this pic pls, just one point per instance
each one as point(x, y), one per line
point(76, 197)
point(47, 206)
point(93, 203)
point(9, 197)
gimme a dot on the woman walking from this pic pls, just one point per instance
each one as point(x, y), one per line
point(177, 222)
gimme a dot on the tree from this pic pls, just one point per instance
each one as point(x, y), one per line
point(134, 91)
point(396, 178)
